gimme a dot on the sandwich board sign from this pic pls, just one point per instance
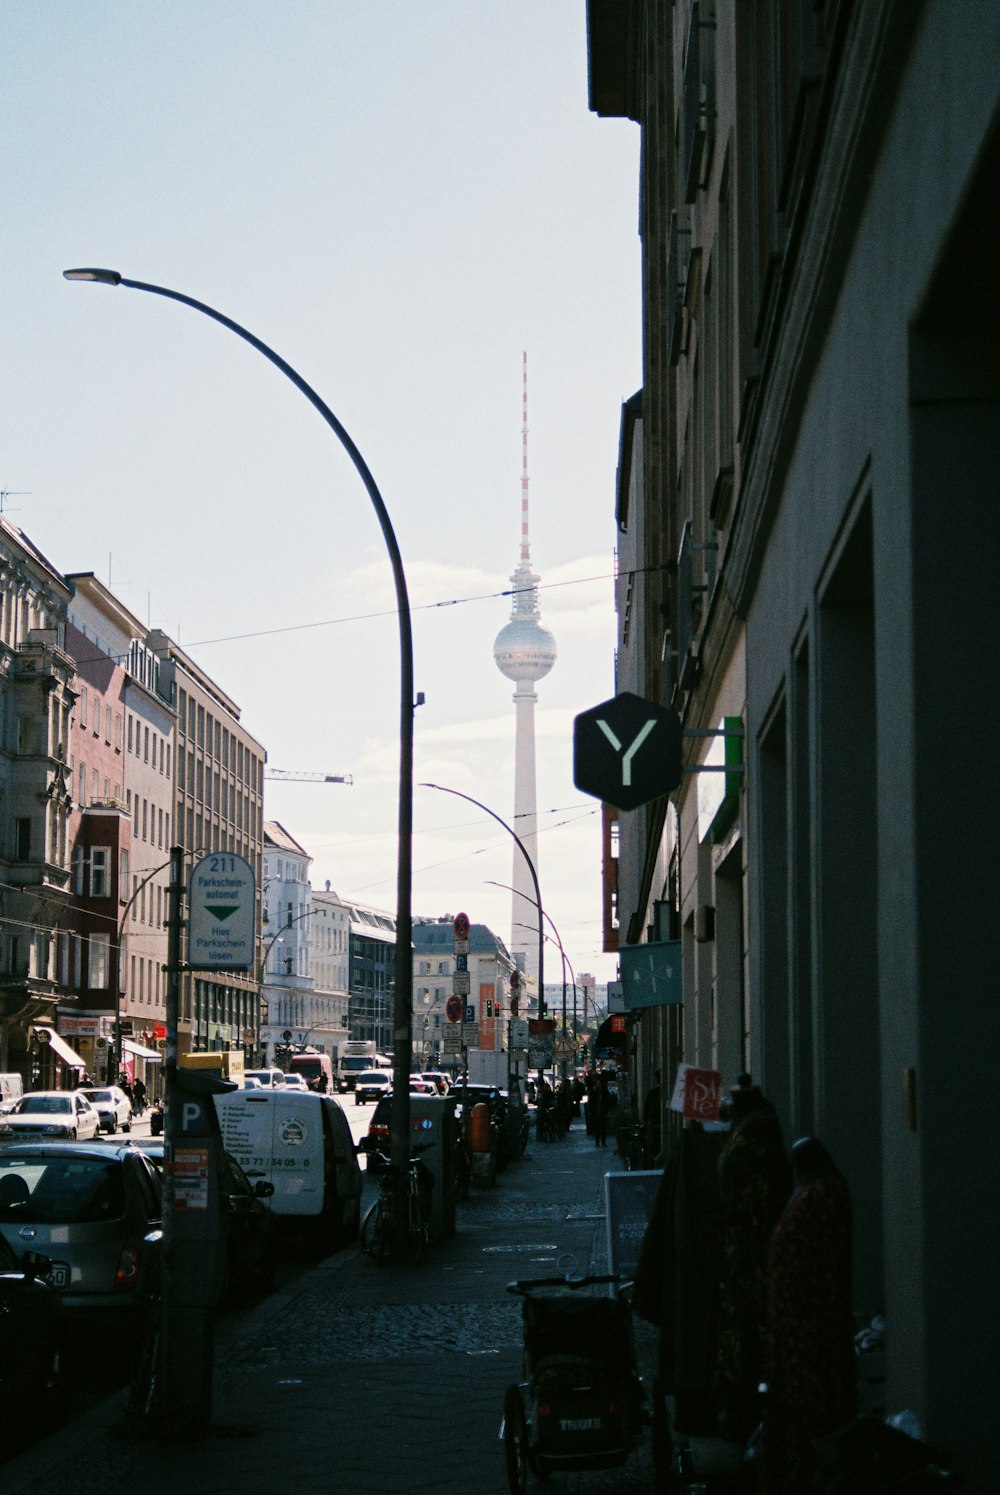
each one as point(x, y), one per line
point(222, 902)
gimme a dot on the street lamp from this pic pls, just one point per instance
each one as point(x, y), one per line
point(534, 878)
point(402, 1015)
point(558, 941)
point(116, 966)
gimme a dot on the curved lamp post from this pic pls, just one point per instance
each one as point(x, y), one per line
point(443, 789)
point(562, 951)
point(116, 966)
point(402, 1014)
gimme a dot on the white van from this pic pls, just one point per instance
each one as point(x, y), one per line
point(11, 1090)
point(302, 1143)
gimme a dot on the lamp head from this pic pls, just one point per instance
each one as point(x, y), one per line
point(104, 277)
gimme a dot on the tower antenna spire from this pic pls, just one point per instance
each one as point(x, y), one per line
point(525, 652)
point(525, 555)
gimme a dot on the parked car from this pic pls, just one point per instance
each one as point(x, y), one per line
point(266, 1078)
point(51, 1113)
point(93, 1208)
point(247, 1221)
point(371, 1084)
point(302, 1144)
point(113, 1107)
point(420, 1086)
point(293, 1082)
point(32, 1385)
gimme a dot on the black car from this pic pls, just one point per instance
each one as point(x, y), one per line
point(32, 1382)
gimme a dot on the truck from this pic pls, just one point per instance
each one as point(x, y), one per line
point(225, 1064)
point(356, 1055)
point(489, 1067)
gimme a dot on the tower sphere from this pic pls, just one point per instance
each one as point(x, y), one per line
point(524, 650)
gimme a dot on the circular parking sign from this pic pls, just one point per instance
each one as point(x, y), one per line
point(453, 1009)
point(461, 926)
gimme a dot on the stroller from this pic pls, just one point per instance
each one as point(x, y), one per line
point(581, 1405)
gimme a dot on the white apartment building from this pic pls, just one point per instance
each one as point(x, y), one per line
point(299, 932)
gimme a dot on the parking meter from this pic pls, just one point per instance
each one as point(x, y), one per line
point(195, 1233)
point(432, 1136)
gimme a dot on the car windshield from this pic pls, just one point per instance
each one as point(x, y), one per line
point(96, 1095)
point(60, 1191)
point(48, 1105)
point(373, 1077)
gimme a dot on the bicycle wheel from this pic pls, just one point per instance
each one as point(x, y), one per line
point(515, 1441)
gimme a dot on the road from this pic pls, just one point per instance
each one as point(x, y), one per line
point(96, 1368)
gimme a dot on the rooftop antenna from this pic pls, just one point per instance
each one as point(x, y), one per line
point(6, 493)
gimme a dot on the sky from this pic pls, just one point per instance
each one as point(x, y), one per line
point(400, 199)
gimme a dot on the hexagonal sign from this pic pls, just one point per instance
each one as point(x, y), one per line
point(627, 751)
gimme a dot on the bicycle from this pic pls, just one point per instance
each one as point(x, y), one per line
point(380, 1237)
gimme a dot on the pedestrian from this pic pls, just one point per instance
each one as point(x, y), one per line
point(755, 1182)
point(652, 1124)
point(603, 1103)
point(139, 1097)
point(125, 1084)
point(810, 1365)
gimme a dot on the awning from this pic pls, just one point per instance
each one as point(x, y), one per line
point(60, 1047)
point(136, 1048)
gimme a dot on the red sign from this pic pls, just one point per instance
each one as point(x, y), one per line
point(541, 1025)
point(461, 926)
point(697, 1093)
point(453, 1009)
point(618, 1023)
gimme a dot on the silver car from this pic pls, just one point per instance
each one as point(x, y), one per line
point(50, 1113)
point(113, 1107)
point(94, 1210)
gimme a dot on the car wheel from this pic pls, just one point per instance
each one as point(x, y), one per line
point(515, 1438)
point(114, 1125)
point(72, 1134)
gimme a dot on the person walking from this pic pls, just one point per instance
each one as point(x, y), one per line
point(603, 1103)
point(138, 1097)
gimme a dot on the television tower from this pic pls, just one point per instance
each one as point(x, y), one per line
point(525, 652)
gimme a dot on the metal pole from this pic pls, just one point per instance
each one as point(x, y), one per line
point(175, 923)
point(402, 1005)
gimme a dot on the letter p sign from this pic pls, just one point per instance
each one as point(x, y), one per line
point(627, 751)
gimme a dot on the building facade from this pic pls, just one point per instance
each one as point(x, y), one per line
point(37, 697)
point(809, 505)
point(299, 930)
point(371, 973)
point(489, 966)
point(218, 806)
point(123, 751)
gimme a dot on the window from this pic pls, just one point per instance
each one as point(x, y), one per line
point(99, 950)
point(95, 786)
point(83, 707)
point(82, 791)
point(22, 838)
point(145, 745)
point(107, 724)
point(119, 730)
point(123, 872)
point(130, 722)
point(100, 884)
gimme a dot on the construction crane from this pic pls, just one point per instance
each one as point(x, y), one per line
point(308, 778)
